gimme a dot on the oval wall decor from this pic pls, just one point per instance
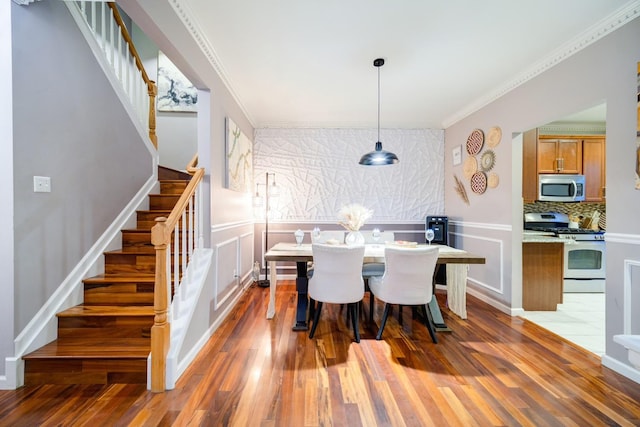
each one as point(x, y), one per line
point(475, 141)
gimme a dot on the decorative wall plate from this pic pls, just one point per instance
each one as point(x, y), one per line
point(494, 136)
point(469, 167)
point(487, 160)
point(479, 182)
point(475, 141)
point(493, 180)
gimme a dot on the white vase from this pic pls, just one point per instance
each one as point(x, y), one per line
point(354, 238)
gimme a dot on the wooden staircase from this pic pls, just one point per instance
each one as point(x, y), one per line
point(106, 339)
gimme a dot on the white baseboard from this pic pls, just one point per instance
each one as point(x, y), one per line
point(621, 368)
point(492, 302)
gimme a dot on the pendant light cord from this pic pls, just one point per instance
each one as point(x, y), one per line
point(378, 104)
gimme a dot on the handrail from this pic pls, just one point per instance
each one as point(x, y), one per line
point(152, 88)
point(161, 238)
point(192, 166)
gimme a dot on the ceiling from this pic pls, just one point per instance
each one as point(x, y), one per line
point(306, 63)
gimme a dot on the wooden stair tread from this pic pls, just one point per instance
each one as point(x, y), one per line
point(131, 251)
point(107, 310)
point(120, 278)
point(93, 348)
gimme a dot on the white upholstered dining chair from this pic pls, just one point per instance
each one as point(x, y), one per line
point(407, 280)
point(337, 279)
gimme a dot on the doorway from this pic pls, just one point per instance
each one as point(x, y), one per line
point(580, 318)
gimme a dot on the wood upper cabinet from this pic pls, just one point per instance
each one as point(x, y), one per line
point(593, 168)
point(563, 154)
point(530, 166)
point(559, 155)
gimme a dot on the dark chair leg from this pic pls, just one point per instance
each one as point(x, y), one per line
point(372, 300)
point(383, 322)
point(316, 317)
point(355, 320)
point(428, 321)
point(312, 309)
point(400, 310)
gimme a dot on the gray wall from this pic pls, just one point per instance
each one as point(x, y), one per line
point(68, 125)
point(491, 224)
point(176, 131)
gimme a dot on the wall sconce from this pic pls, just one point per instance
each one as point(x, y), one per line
point(271, 190)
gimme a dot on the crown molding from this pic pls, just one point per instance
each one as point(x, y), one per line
point(186, 16)
point(624, 15)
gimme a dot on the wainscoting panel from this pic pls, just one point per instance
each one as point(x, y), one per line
point(246, 257)
point(631, 295)
point(226, 270)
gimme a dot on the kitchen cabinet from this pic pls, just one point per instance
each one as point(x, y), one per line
point(542, 275)
point(572, 154)
point(593, 168)
point(559, 155)
point(530, 166)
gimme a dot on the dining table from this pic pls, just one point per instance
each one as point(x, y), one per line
point(302, 255)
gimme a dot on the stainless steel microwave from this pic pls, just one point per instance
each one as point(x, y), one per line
point(561, 188)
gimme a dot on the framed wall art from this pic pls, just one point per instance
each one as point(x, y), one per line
point(239, 159)
point(457, 155)
point(175, 91)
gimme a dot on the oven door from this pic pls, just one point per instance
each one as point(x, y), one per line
point(584, 266)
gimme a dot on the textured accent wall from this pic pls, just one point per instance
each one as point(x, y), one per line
point(318, 172)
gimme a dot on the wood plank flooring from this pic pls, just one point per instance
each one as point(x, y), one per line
point(491, 370)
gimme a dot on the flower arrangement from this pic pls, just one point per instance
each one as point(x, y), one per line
point(353, 216)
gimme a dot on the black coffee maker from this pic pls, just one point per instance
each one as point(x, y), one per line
point(440, 227)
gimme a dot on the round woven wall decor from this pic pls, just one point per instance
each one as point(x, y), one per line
point(469, 167)
point(479, 182)
point(494, 136)
point(475, 141)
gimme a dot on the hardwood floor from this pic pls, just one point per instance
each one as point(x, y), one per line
point(492, 370)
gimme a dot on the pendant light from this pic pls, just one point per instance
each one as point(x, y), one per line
point(379, 157)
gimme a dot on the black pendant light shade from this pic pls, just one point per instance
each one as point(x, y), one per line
point(379, 157)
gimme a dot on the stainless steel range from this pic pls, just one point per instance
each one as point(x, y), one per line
point(584, 251)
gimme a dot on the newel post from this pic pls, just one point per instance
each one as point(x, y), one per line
point(153, 92)
point(160, 331)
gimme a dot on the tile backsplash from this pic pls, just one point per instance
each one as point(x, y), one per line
point(581, 209)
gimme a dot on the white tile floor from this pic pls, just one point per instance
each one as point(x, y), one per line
point(580, 319)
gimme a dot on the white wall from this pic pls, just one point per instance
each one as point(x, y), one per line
point(604, 71)
point(317, 171)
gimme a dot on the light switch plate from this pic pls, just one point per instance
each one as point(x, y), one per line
point(41, 184)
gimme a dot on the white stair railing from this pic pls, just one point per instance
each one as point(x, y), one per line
point(103, 22)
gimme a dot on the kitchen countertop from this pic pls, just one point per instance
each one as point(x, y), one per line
point(529, 236)
point(543, 239)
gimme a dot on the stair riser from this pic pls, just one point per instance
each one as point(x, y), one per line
point(112, 327)
point(140, 241)
point(119, 294)
point(173, 187)
point(162, 202)
point(124, 263)
point(85, 371)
